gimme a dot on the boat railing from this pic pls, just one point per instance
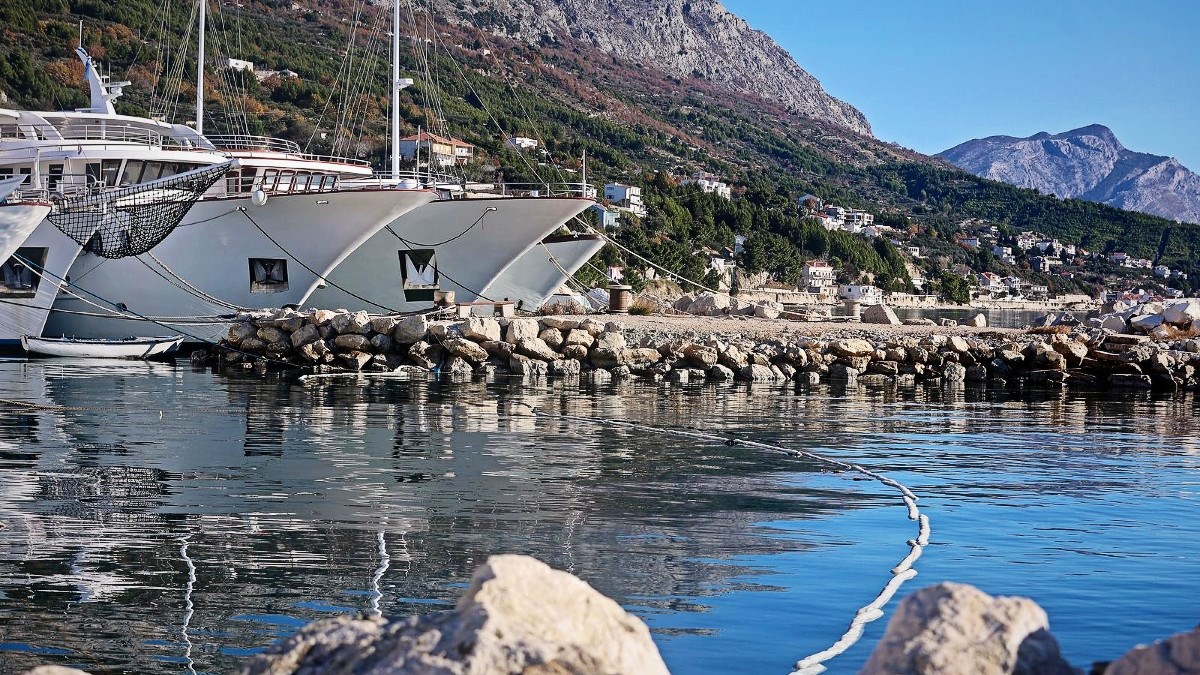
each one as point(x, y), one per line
point(456, 185)
point(242, 143)
point(113, 132)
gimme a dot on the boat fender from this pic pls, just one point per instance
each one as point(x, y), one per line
point(408, 184)
point(258, 197)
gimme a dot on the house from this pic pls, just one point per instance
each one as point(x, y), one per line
point(709, 183)
point(859, 219)
point(991, 282)
point(1162, 271)
point(433, 149)
point(1026, 240)
point(971, 243)
point(836, 214)
point(914, 251)
point(817, 276)
point(625, 198)
point(520, 143)
point(1040, 264)
point(237, 64)
point(606, 218)
point(1005, 254)
point(867, 295)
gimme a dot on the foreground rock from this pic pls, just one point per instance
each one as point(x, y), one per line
point(518, 616)
point(949, 629)
point(1177, 655)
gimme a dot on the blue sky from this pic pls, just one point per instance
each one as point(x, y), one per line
point(930, 74)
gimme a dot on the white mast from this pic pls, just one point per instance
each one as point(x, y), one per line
point(398, 85)
point(200, 72)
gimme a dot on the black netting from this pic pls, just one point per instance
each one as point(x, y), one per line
point(129, 221)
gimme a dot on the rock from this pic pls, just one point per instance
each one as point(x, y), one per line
point(346, 323)
point(425, 355)
point(707, 304)
point(948, 323)
point(679, 376)
point(560, 323)
point(758, 373)
point(352, 342)
point(610, 340)
point(641, 358)
point(321, 317)
point(527, 367)
point(306, 334)
point(384, 324)
point(768, 309)
point(355, 360)
point(720, 373)
point(614, 327)
point(55, 670)
point(480, 328)
point(683, 302)
point(1146, 322)
point(599, 376)
point(458, 367)
point(566, 368)
point(951, 628)
point(592, 326)
point(382, 344)
point(1074, 352)
point(811, 379)
point(553, 337)
point(733, 358)
point(314, 352)
point(498, 349)
point(579, 337)
point(519, 617)
point(604, 357)
point(521, 329)
point(1114, 323)
point(536, 348)
point(241, 331)
point(410, 329)
point(958, 344)
point(843, 374)
point(466, 349)
point(954, 372)
point(578, 352)
point(1182, 312)
point(891, 368)
point(977, 321)
point(273, 335)
point(880, 314)
point(1177, 655)
point(1129, 381)
point(852, 347)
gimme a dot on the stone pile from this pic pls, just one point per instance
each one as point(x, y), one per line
point(328, 341)
point(1161, 320)
point(714, 304)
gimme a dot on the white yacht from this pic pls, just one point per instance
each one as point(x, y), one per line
point(263, 237)
point(460, 244)
point(18, 217)
point(537, 275)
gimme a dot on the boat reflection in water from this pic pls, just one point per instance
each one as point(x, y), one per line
point(159, 518)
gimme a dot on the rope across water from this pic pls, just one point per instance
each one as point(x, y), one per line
point(902, 572)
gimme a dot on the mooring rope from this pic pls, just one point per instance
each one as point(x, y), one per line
point(902, 572)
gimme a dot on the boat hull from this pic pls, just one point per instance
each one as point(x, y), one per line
point(25, 312)
point(206, 270)
point(17, 222)
point(533, 278)
point(133, 348)
point(469, 253)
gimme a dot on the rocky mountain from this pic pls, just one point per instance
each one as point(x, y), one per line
point(684, 38)
point(1088, 163)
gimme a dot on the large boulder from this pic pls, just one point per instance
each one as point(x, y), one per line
point(346, 323)
point(852, 347)
point(767, 309)
point(352, 342)
point(521, 329)
point(1182, 312)
point(1177, 655)
point(466, 349)
point(241, 331)
point(708, 304)
point(480, 328)
point(537, 348)
point(955, 628)
point(881, 314)
point(518, 617)
point(410, 329)
point(306, 334)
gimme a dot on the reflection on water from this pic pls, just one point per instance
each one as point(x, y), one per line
point(162, 519)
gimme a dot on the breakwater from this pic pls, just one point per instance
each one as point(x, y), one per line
point(324, 341)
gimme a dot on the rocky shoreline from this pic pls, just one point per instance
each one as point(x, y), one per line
point(1102, 353)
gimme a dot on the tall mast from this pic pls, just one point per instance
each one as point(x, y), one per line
point(398, 84)
point(200, 72)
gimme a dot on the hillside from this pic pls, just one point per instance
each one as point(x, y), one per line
point(574, 89)
point(1088, 163)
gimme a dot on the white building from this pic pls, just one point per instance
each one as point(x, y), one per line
point(1162, 271)
point(625, 198)
point(237, 64)
point(970, 242)
point(1005, 254)
point(860, 219)
point(817, 276)
point(867, 295)
point(520, 143)
point(709, 183)
point(433, 149)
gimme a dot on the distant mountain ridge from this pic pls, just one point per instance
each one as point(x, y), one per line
point(1087, 163)
point(683, 38)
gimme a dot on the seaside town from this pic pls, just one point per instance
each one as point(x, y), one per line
point(584, 336)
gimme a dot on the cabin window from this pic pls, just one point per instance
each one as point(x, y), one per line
point(20, 274)
point(286, 181)
point(110, 169)
point(268, 275)
point(93, 173)
point(153, 171)
point(55, 177)
point(419, 275)
point(270, 177)
point(132, 173)
point(302, 179)
point(233, 181)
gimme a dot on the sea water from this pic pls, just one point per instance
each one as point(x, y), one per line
point(158, 518)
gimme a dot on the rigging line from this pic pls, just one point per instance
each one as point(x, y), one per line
point(66, 286)
point(321, 277)
point(195, 291)
point(902, 572)
point(460, 235)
